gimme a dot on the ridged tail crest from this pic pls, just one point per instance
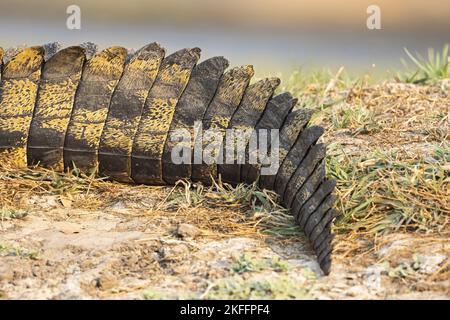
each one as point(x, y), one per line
point(148, 118)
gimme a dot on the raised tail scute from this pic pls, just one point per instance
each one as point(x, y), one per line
point(18, 88)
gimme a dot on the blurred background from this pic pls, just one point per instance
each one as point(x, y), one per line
point(276, 36)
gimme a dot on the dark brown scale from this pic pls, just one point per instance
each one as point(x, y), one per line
point(245, 119)
point(217, 117)
point(324, 255)
point(325, 245)
point(322, 237)
point(326, 265)
point(317, 217)
point(274, 115)
point(192, 105)
point(312, 221)
point(311, 184)
point(307, 177)
point(294, 160)
point(324, 223)
point(294, 124)
point(307, 210)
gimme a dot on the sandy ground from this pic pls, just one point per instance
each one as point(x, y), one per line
point(64, 253)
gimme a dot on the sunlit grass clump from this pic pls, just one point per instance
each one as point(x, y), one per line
point(426, 70)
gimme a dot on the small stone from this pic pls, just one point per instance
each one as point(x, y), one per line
point(6, 273)
point(187, 231)
point(67, 227)
point(174, 252)
point(106, 282)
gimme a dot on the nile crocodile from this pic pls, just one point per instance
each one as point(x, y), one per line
point(114, 111)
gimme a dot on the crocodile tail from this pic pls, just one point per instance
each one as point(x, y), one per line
point(142, 117)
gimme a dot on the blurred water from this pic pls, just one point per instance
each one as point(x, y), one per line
point(270, 52)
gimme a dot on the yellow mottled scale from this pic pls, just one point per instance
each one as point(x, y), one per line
point(100, 77)
point(218, 115)
point(55, 103)
point(125, 112)
point(60, 78)
point(148, 145)
point(18, 90)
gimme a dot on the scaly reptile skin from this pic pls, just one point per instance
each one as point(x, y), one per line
point(114, 112)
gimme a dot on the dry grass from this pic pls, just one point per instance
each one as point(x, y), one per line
point(392, 167)
point(219, 210)
point(381, 191)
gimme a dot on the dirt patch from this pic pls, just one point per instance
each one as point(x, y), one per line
point(104, 255)
point(97, 256)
